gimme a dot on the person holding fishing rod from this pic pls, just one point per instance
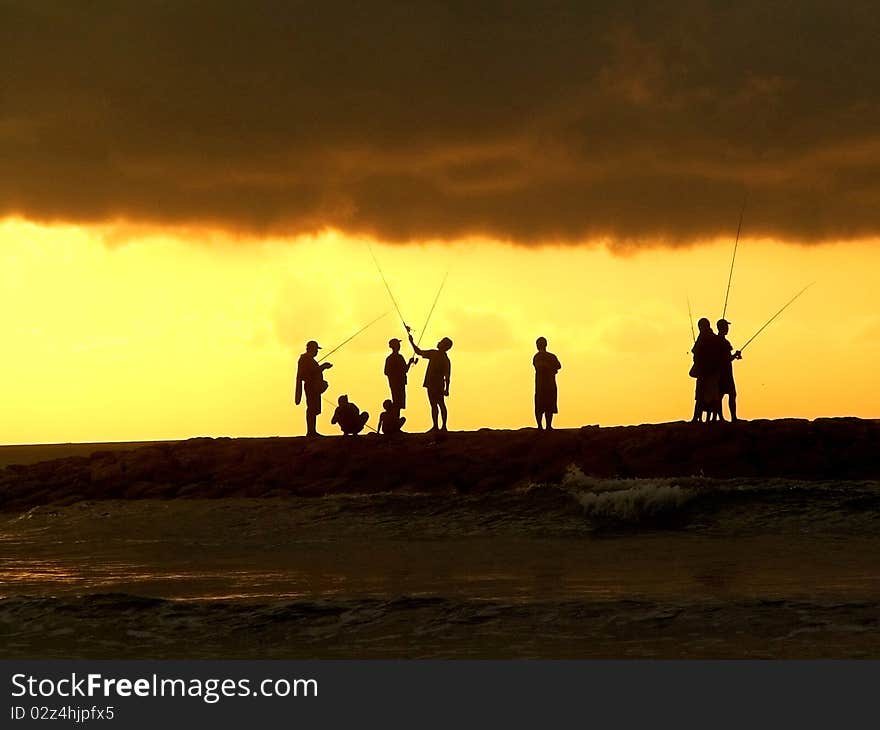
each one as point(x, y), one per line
point(396, 368)
point(437, 376)
point(310, 378)
point(726, 386)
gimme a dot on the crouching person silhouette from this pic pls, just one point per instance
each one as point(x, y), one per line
point(349, 417)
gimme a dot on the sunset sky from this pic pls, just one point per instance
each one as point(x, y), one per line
point(187, 199)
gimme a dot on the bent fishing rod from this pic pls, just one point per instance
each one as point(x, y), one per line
point(691, 320)
point(786, 306)
point(388, 289)
point(346, 341)
point(733, 259)
point(436, 298)
point(414, 359)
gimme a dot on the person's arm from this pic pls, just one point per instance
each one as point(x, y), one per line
point(558, 364)
point(415, 347)
point(326, 366)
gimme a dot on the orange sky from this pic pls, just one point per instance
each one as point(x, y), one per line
point(131, 333)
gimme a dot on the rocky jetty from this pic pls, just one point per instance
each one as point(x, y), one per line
point(827, 448)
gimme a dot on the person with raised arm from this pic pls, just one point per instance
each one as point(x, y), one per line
point(437, 376)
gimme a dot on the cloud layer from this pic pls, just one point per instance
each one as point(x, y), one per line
point(532, 122)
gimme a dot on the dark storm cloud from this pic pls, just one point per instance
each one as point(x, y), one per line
point(547, 121)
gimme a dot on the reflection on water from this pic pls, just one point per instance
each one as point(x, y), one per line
point(358, 578)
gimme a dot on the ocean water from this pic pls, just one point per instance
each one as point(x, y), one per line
point(586, 568)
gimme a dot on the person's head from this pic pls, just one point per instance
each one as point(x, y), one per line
point(312, 347)
point(444, 344)
point(387, 404)
point(723, 326)
point(541, 343)
point(704, 325)
point(343, 399)
point(394, 344)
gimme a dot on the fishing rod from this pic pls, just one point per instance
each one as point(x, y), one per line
point(691, 320)
point(733, 260)
point(442, 284)
point(776, 315)
point(345, 342)
point(414, 359)
point(388, 289)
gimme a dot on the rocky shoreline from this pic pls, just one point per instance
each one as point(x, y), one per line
point(827, 448)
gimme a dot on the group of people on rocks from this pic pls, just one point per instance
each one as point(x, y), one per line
point(713, 369)
point(351, 420)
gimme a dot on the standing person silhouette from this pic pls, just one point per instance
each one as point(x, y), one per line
point(726, 385)
point(546, 366)
point(310, 378)
point(437, 377)
point(396, 368)
point(706, 369)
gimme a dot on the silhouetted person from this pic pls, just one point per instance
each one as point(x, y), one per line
point(396, 368)
point(706, 370)
point(310, 378)
point(726, 386)
point(546, 366)
point(390, 420)
point(437, 377)
point(349, 417)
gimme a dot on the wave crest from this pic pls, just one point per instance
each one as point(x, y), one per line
point(627, 501)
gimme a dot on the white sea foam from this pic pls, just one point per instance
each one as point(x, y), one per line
point(627, 500)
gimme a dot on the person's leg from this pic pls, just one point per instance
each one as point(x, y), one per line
point(400, 422)
point(357, 424)
point(433, 402)
point(732, 403)
point(538, 416)
point(698, 413)
point(442, 404)
point(311, 422)
point(549, 416)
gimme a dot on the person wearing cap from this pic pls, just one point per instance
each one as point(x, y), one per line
point(396, 368)
point(546, 366)
point(349, 417)
point(706, 369)
point(725, 379)
point(310, 379)
point(437, 376)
